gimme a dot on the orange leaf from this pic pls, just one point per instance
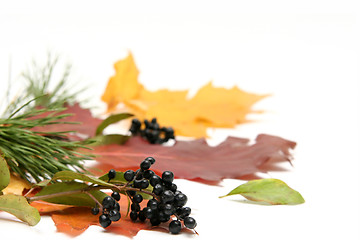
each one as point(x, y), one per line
point(124, 85)
point(46, 208)
point(210, 107)
point(75, 220)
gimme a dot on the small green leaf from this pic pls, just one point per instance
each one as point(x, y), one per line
point(4, 174)
point(110, 120)
point(70, 175)
point(110, 139)
point(43, 183)
point(119, 178)
point(75, 199)
point(20, 208)
point(273, 191)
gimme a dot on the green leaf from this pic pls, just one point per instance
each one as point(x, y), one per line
point(20, 208)
point(110, 139)
point(43, 183)
point(119, 178)
point(273, 191)
point(4, 174)
point(110, 120)
point(75, 199)
point(70, 175)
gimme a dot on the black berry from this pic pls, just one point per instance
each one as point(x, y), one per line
point(175, 226)
point(117, 206)
point(152, 204)
point(143, 184)
point(169, 209)
point(135, 126)
point(95, 211)
point(155, 180)
point(168, 176)
point(167, 196)
point(116, 196)
point(148, 174)
point(111, 174)
point(108, 202)
point(158, 189)
point(163, 217)
point(104, 220)
point(180, 200)
point(114, 215)
point(183, 212)
point(173, 187)
point(137, 198)
point(145, 165)
point(133, 215)
point(141, 216)
point(137, 183)
point(151, 159)
point(129, 175)
point(155, 221)
point(149, 213)
point(135, 207)
point(190, 222)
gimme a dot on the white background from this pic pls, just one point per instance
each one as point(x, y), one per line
point(305, 53)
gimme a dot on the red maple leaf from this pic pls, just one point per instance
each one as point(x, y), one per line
point(85, 128)
point(196, 160)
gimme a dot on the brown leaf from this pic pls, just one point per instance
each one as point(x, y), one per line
point(85, 129)
point(196, 160)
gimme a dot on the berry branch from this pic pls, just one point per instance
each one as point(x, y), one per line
point(166, 201)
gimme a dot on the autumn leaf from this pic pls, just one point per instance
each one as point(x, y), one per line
point(75, 220)
point(85, 127)
point(16, 185)
point(124, 82)
point(196, 160)
point(46, 208)
point(210, 107)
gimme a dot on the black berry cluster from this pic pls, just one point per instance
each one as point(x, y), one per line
point(151, 131)
point(168, 201)
point(110, 206)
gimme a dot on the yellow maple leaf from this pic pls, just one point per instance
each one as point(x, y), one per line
point(16, 186)
point(210, 107)
point(124, 85)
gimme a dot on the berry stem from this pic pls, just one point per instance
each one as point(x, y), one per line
point(95, 200)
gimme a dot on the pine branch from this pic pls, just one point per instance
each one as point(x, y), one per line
point(37, 155)
point(31, 154)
